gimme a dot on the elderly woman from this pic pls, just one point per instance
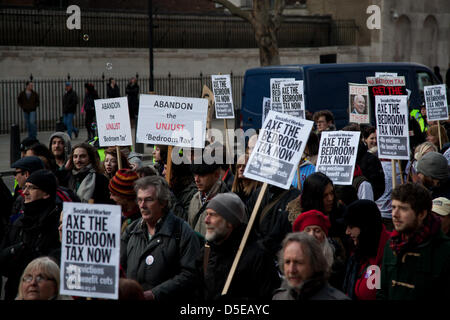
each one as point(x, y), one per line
point(85, 176)
point(305, 270)
point(40, 281)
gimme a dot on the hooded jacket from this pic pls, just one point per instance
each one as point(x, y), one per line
point(67, 144)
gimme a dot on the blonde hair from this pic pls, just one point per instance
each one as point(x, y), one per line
point(434, 131)
point(423, 148)
point(48, 268)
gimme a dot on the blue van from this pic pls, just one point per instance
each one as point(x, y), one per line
point(326, 86)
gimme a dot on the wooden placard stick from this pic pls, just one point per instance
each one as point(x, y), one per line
point(244, 238)
point(169, 164)
point(439, 133)
point(401, 172)
point(394, 174)
point(119, 158)
point(299, 185)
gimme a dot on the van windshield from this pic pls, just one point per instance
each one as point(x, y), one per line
point(424, 79)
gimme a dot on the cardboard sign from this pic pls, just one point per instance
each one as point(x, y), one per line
point(292, 98)
point(436, 102)
point(337, 155)
point(358, 103)
point(265, 108)
point(221, 85)
point(392, 127)
point(113, 122)
point(176, 121)
point(275, 93)
point(278, 150)
point(90, 250)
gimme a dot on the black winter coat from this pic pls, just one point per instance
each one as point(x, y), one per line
point(70, 101)
point(256, 275)
point(166, 263)
point(33, 234)
point(372, 169)
point(275, 224)
point(112, 92)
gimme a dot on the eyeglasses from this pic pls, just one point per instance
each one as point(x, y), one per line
point(30, 187)
point(39, 278)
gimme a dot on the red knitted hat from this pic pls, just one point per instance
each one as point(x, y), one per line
point(122, 184)
point(310, 218)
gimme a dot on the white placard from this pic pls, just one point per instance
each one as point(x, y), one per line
point(358, 103)
point(223, 98)
point(337, 155)
point(391, 114)
point(275, 93)
point(292, 98)
point(278, 150)
point(265, 108)
point(176, 121)
point(90, 250)
point(436, 102)
point(385, 74)
point(113, 122)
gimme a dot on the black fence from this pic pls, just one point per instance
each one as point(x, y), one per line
point(31, 27)
point(52, 91)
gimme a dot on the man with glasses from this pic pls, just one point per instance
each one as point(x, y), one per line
point(34, 233)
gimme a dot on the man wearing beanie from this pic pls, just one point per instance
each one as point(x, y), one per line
point(209, 184)
point(121, 187)
point(256, 275)
point(416, 261)
point(34, 233)
point(433, 172)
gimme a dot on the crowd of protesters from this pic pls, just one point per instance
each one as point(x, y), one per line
point(314, 241)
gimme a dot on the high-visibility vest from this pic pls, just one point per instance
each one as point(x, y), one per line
point(418, 116)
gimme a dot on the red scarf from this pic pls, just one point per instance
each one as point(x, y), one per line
point(430, 226)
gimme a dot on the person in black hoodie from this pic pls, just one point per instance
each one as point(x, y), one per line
point(256, 275)
point(112, 90)
point(89, 108)
point(33, 234)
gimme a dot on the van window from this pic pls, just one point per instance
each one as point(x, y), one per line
point(424, 79)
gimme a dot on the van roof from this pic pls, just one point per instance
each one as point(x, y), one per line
point(331, 66)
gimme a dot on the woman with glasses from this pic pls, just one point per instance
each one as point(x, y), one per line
point(40, 281)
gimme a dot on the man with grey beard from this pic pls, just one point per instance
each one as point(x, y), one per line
point(256, 274)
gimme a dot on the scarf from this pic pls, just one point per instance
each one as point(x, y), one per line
point(85, 190)
point(399, 243)
point(33, 212)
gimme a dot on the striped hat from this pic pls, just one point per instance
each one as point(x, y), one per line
point(122, 184)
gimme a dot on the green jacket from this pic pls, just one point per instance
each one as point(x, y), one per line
point(420, 274)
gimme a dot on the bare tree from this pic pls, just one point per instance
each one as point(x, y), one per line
point(265, 19)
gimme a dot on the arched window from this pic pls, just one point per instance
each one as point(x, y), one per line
point(402, 39)
point(430, 41)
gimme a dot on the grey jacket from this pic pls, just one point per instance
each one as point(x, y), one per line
point(164, 264)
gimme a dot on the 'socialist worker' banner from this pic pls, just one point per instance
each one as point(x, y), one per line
point(358, 99)
point(176, 121)
point(278, 150)
point(221, 85)
point(90, 250)
point(392, 127)
point(436, 102)
point(337, 155)
point(292, 98)
point(113, 122)
point(275, 93)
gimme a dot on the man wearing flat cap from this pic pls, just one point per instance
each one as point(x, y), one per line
point(256, 275)
point(34, 233)
point(432, 171)
point(209, 184)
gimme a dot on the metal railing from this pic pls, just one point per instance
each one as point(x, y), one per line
point(31, 27)
point(51, 93)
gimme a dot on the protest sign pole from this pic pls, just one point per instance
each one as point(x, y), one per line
point(169, 164)
point(394, 174)
point(439, 133)
point(401, 172)
point(244, 238)
point(119, 158)
point(299, 185)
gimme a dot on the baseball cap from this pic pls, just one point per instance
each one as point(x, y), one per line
point(441, 206)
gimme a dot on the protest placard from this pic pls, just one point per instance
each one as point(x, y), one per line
point(221, 85)
point(278, 150)
point(436, 102)
point(90, 250)
point(292, 98)
point(337, 155)
point(176, 121)
point(275, 93)
point(265, 108)
point(113, 122)
point(385, 74)
point(358, 103)
point(392, 127)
